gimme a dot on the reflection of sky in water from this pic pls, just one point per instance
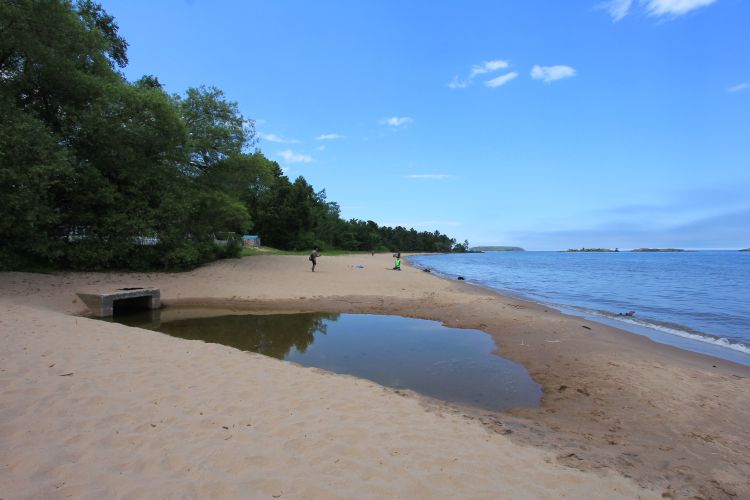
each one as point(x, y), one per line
point(704, 293)
point(445, 363)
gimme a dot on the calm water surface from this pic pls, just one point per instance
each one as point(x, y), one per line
point(451, 364)
point(695, 300)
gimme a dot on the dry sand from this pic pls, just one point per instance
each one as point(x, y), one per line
point(90, 409)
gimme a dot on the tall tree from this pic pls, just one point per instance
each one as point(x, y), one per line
point(216, 128)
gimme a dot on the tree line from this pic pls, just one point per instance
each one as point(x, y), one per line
point(97, 172)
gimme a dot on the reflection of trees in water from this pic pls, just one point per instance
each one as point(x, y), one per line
point(269, 334)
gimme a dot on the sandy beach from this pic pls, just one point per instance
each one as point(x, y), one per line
point(92, 409)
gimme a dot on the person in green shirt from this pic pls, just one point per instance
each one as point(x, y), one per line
point(397, 266)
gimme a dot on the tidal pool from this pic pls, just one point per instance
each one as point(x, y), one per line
point(450, 364)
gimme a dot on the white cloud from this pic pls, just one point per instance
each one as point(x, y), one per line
point(396, 121)
point(276, 138)
point(457, 83)
point(321, 148)
point(439, 177)
point(674, 7)
point(738, 87)
point(617, 8)
point(290, 156)
point(477, 69)
point(328, 137)
point(552, 73)
point(487, 67)
point(501, 80)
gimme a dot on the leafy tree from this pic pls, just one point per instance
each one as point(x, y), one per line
point(33, 166)
point(90, 163)
point(216, 128)
point(461, 247)
point(92, 167)
point(55, 60)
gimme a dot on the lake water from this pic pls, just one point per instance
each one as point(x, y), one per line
point(450, 364)
point(694, 300)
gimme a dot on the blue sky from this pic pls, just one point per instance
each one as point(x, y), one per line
point(544, 124)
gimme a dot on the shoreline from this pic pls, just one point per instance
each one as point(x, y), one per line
point(678, 336)
point(669, 419)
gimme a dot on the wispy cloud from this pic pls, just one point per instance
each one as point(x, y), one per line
point(552, 73)
point(396, 121)
point(487, 67)
point(457, 83)
point(725, 230)
point(290, 156)
point(439, 177)
point(277, 138)
point(740, 86)
point(674, 7)
point(501, 80)
point(328, 137)
point(709, 217)
point(480, 69)
point(617, 8)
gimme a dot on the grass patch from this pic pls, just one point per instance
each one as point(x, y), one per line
point(249, 252)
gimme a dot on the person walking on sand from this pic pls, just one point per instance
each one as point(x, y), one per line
point(397, 264)
point(314, 257)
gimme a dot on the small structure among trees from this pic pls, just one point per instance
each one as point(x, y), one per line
point(250, 241)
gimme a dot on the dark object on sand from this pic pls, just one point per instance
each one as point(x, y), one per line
point(629, 314)
point(586, 327)
point(426, 270)
point(461, 278)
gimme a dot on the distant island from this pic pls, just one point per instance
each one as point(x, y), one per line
point(657, 250)
point(591, 250)
point(745, 250)
point(497, 249)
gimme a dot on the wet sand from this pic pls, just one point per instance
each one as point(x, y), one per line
point(141, 412)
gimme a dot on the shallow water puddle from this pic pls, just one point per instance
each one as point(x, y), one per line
point(445, 363)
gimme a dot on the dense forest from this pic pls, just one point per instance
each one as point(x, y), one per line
point(97, 172)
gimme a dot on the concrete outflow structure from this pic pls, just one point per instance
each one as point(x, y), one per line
point(104, 304)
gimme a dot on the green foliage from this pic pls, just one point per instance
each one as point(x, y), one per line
point(216, 129)
point(91, 164)
point(461, 247)
point(99, 173)
point(33, 167)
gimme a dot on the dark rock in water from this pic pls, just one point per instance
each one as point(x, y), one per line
point(657, 250)
point(461, 278)
point(629, 314)
point(426, 270)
